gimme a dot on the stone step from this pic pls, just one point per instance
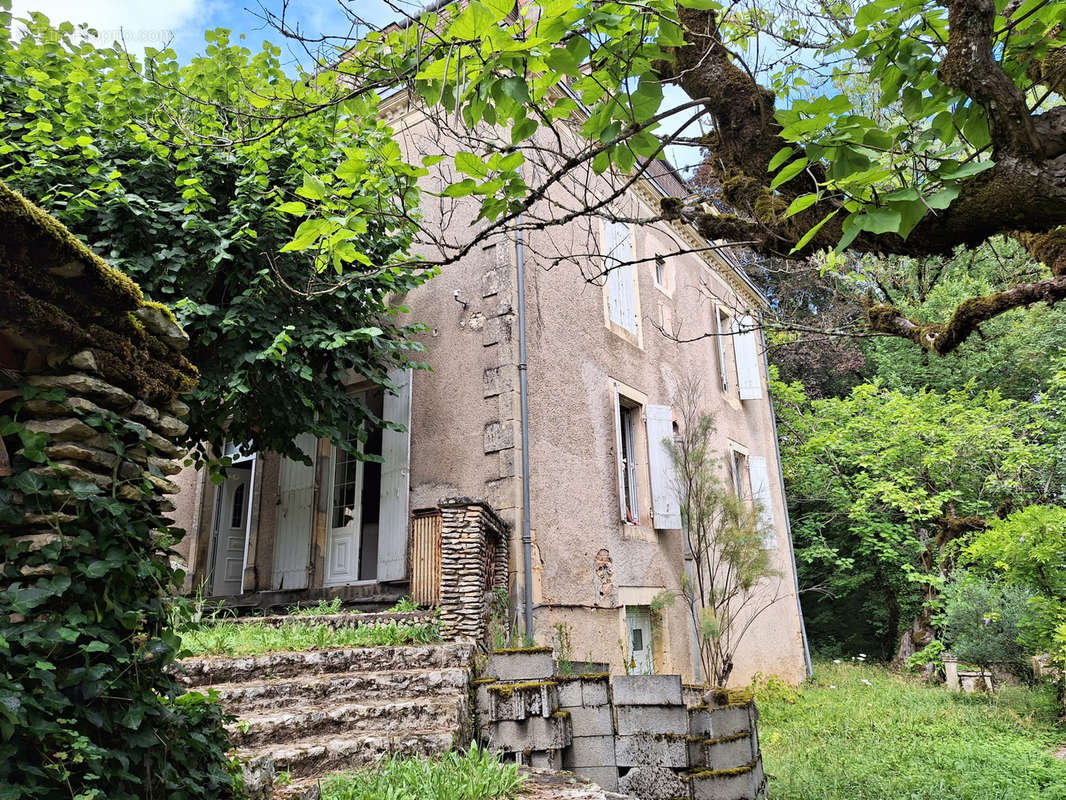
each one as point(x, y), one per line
point(349, 719)
point(306, 789)
point(310, 757)
point(195, 672)
point(315, 690)
point(338, 621)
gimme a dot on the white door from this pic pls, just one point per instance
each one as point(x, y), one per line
point(639, 633)
point(231, 533)
point(292, 537)
point(345, 519)
point(395, 481)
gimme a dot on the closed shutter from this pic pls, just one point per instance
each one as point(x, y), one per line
point(395, 480)
point(760, 493)
point(719, 329)
point(749, 377)
point(665, 504)
point(619, 466)
point(292, 537)
point(621, 303)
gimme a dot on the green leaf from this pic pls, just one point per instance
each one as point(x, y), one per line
point(804, 201)
point(789, 172)
point(515, 88)
point(966, 170)
point(780, 157)
point(806, 238)
point(645, 101)
point(469, 164)
point(294, 207)
point(879, 220)
point(312, 188)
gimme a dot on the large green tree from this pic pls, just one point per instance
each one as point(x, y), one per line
point(886, 486)
point(278, 308)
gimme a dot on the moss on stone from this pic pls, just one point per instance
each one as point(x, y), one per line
point(579, 676)
point(723, 773)
point(507, 689)
point(534, 649)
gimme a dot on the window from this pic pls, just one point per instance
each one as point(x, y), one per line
point(660, 271)
point(237, 513)
point(737, 468)
point(721, 330)
point(345, 480)
point(621, 286)
point(759, 477)
point(641, 654)
point(628, 465)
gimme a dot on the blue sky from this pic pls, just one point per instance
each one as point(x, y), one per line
point(183, 22)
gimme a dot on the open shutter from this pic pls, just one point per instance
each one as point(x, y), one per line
point(719, 329)
point(395, 481)
point(760, 493)
point(619, 467)
point(292, 537)
point(621, 305)
point(660, 424)
point(749, 377)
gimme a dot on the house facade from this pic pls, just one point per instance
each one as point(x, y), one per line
point(605, 357)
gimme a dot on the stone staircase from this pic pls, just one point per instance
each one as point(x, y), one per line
point(327, 711)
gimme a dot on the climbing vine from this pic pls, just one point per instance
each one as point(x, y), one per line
point(87, 709)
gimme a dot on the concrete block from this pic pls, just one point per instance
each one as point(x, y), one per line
point(714, 723)
point(590, 751)
point(591, 720)
point(653, 783)
point(747, 785)
point(498, 436)
point(595, 691)
point(663, 750)
point(604, 777)
point(535, 733)
point(647, 690)
point(546, 759)
point(569, 692)
point(651, 719)
point(521, 700)
point(527, 664)
point(726, 753)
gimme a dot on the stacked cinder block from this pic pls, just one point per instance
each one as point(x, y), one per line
point(586, 697)
point(723, 751)
point(518, 708)
point(651, 746)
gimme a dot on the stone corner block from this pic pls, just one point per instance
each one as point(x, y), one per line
point(527, 664)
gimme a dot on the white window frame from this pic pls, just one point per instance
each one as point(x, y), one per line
point(621, 282)
point(720, 337)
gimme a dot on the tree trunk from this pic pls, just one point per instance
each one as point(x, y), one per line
point(921, 633)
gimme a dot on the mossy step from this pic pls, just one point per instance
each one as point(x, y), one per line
point(318, 756)
point(280, 693)
point(349, 719)
point(205, 671)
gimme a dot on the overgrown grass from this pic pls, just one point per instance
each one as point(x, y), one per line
point(860, 732)
point(473, 775)
point(250, 638)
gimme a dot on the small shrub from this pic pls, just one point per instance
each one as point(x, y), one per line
point(404, 604)
point(981, 621)
point(321, 608)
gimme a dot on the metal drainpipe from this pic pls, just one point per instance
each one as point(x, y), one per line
point(523, 398)
point(788, 521)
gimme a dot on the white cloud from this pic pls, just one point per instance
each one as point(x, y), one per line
point(141, 23)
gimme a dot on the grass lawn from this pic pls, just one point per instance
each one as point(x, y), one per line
point(860, 732)
point(473, 775)
point(250, 638)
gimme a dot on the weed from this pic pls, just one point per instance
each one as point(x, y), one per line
point(321, 608)
point(242, 639)
point(475, 774)
point(283, 778)
point(564, 648)
point(405, 603)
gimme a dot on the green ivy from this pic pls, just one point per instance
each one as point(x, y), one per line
point(87, 710)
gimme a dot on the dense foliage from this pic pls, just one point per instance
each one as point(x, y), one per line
point(86, 709)
point(279, 307)
point(885, 486)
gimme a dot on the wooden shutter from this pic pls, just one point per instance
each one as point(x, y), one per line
point(395, 481)
point(664, 500)
point(292, 536)
point(749, 376)
point(760, 494)
point(719, 330)
point(621, 302)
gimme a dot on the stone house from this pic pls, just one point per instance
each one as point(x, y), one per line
point(604, 522)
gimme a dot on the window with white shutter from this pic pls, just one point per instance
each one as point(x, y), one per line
point(627, 418)
point(746, 347)
point(720, 330)
point(760, 495)
point(664, 499)
point(621, 287)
